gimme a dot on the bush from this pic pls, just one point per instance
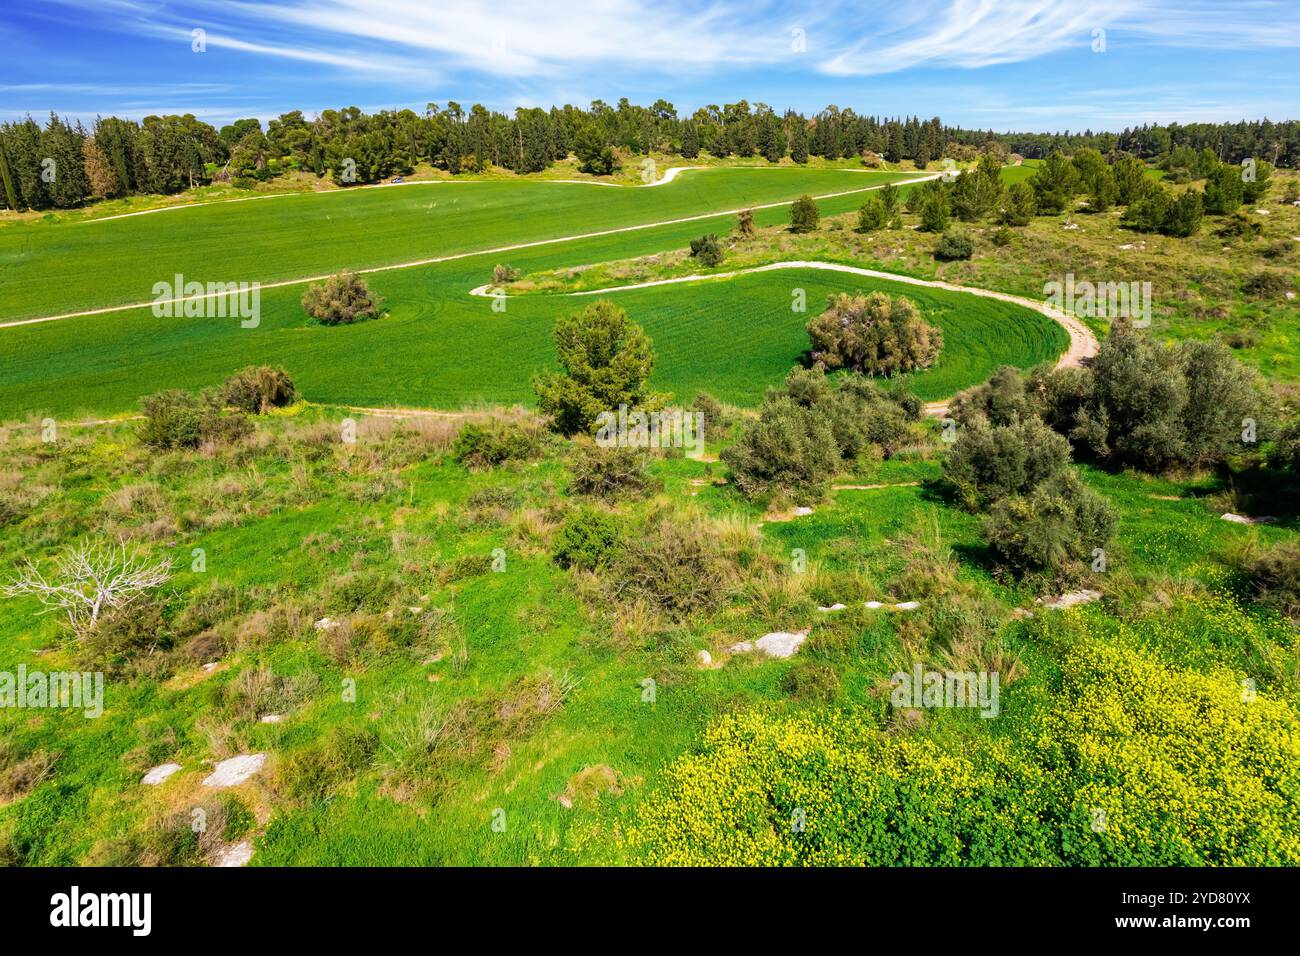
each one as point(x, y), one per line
point(177, 419)
point(588, 540)
point(1266, 285)
point(607, 360)
point(1286, 451)
point(1001, 237)
point(673, 565)
point(1240, 225)
point(258, 388)
point(804, 215)
point(872, 215)
point(790, 448)
point(992, 462)
point(708, 250)
point(1275, 578)
point(340, 300)
point(609, 472)
point(495, 443)
point(955, 244)
point(314, 771)
point(1155, 406)
point(503, 275)
point(1053, 530)
point(873, 334)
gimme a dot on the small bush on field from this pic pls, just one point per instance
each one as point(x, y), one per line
point(258, 388)
point(503, 275)
point(587, 540)
point(1002, 237)
point(991, 462)
point(675, 565)
point(495, 443)
point(873, 334)
point(809, 681)
point(362, 591)
point(708, 250)
point(1240, 225)
point(954, 244)
point(1054, 530)
point(745, 224)
point(1265, 285)
point(609, 472)
point(607, 360)
point(1275, 578)
point(1286, 452)
point(804, 215)
point(123, 635)
point(340, 300)
point(714, 420)
point(313, 772)
point(805, 432)
point(176, 419)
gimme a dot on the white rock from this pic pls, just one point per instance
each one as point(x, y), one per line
point(272, 718)
point(1071, 225)
point(780, 643)
point(160, 773)
point(1242, 519)
point(236, 770)
point(416, 610)
point(1128, 245)
point(834, 607)
point(236, 854)
point(704, 657)
point(744, 647)
point(874, 605)
point(1262, 212)
point(1070, 599)
point(325, 623)
point(907, 606)
point(1290, 295)
point(211, 665)
point(802, 510)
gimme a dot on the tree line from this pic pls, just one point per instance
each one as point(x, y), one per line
point(62, 165)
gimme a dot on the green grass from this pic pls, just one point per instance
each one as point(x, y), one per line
point(49, 268)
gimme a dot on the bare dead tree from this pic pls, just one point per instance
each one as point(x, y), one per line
point(89, 579)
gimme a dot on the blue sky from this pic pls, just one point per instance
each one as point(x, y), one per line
point(1004, 64)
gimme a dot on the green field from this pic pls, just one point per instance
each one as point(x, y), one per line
point(441, 348)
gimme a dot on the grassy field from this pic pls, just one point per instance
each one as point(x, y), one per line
point(306, 527)
point(420, 355)
point(49, 268)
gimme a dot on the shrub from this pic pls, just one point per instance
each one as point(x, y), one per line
point(1223, 190)
point(789, 448)
point(258, 388)
point(674, 565)
point(873, 334)
point(503, 274)
point(745, 224)
point(992, 462)
point(804, 215)
point(1055, 529)
point(607, 360)
point(1155, 406)
point(872, 215)
point(1286, 451)
point(1275, 578)
point(1265, 284)
point(708, 250)
point(340, 300)
point(495, 443)
point(609, 472)
point(312, 772)
point(1184, 217)
point(955, 244)
point(588, 540)
point(176, 419)
point(1001, 237)
point(714, 420)
point(1240, 226)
